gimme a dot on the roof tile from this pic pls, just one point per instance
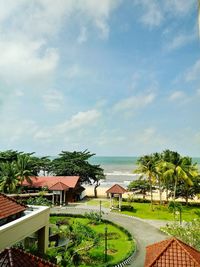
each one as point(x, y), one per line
point(49, 181)
point(171, 253)
point(13, 257)
point(116, 189)
point(9, 206)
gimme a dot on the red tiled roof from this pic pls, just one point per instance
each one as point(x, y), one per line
point(8, 206)
point(49, 181)
point(59, 186)
point(13, 257)
point(116, 189)
point(171, 253)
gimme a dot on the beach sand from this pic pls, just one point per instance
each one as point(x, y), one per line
point(101, 193)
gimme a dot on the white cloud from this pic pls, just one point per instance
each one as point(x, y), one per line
point(179, 41)
point(179, 7)
point(134, 102)
point(194, 72)
point(53, 100)
point(78, 122)
point(155, 12)
point(152, 15)
point(27, 60)
point(13, 130)
point(177, 95)
point(82, 38)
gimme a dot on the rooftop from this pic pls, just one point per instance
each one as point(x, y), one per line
point(171, 253)
point(116, 189)
point(9, 207)
point(13, 257)
point(50, 181)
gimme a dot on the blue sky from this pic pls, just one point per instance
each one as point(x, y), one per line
point(114, 77)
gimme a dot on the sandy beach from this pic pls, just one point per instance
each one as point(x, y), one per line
point(101, 192)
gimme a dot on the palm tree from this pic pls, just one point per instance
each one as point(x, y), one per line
point(147, 167)
point(178, 168)
point(8, 180)
point(23, 172)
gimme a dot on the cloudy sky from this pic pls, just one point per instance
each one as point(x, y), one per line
point(111, 76)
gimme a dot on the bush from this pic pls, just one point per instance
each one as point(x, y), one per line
point(38, 201)
point(127, 208)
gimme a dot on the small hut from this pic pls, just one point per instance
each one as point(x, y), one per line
point(116, 191)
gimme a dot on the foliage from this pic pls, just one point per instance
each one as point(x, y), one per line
point(38, 201)
point(8, 179)
point(76, 163)
point(94, 217)
point(188, 232)
point(87, 247)
point(140, 187)
point(127, 208)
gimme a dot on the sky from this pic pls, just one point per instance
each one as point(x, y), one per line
point(119, 78)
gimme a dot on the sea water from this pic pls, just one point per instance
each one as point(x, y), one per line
point(117, 169)
point(120, 169)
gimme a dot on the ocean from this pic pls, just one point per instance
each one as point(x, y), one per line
point(120, 169)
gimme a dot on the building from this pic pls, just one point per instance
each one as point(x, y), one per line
point(13, 257)
point(18, 222)
point(171, 253)
point(64, 188)
point(116, 191)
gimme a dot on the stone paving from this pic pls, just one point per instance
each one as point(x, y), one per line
point(145, 232)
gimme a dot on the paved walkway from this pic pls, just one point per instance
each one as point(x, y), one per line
point(144, 232)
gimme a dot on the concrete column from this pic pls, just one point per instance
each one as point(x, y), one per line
point(60, 198)
point(43, 239)
point(64, 197)
point(120, 201)
point(53, 199)
point(110, 201)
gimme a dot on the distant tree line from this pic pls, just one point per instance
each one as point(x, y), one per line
point(168, 171)
point(15, 167)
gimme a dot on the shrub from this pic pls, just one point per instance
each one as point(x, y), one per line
point(127, 208)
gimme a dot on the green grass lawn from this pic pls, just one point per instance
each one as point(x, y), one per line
point(120, 246)
point(143, 210)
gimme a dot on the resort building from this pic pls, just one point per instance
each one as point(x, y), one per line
point(18, 222)
point(171, 253)
point(64, 189)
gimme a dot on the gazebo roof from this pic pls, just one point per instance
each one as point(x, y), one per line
point(13, 257)
point(116, 189)
point(171, 252)
point(9, 207)
point(59, 186)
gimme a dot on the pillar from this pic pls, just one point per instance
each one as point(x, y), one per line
point(60, 198)
point(110, 201)
point(120, 201)
point(64, 197)
point(53, 199)
point(43, 239)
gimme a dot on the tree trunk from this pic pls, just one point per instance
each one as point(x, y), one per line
point(95, 189)
point(151, 192)
point(174, 196)
point(160, 191)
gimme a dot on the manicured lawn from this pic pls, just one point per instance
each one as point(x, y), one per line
point(120, 245)
point(143, 210)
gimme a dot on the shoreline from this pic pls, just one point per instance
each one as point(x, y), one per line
point(101, 193)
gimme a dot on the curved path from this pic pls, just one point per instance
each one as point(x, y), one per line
point(143, 232)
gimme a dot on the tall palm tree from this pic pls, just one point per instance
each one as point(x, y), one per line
point(147, 167)
point(179, 168)
point(8, 180)
point(23, 171)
